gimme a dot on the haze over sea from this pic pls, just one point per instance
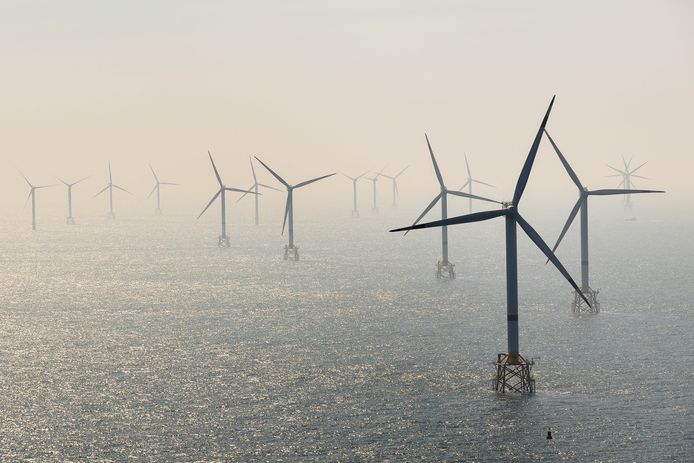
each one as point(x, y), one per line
point(139, 339)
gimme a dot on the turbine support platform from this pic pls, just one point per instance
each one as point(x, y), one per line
point(355, 214)
point(70, 221)
point(445, 270)
point(579, 305)
point(291, 253)
point(223, 241)
point(513, 374)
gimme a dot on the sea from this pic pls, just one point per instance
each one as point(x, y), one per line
point(138, 339)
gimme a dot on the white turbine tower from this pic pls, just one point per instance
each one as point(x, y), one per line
point(254, 188)
point(110, 188)
point(394, 179)
point(582, 205)
point(291, 252)
point(355, 210)
point(444, 268)
point(469, 183)
point(627, 183)
point(157, 185)
point(513, 371)
point(223, 240)
point(373, 181)
point(32, 195)
point(70, 219)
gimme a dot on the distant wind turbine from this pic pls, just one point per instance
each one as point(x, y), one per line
point(291, 252)
point(254, 188)
point(355, 210)
point(223, 240)
point(394, 179)
point(469, 183)
point(70, 218)
point(156, 188)
point(513, 371)
point(110, 188)
point(373, 180)
point(582, 205)
point(627, 174)
point(32, 195)
point(444, 268)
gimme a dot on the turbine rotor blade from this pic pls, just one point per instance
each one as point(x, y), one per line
point(535, 237)
point(245, 193)
point(105, 188)
point(569, 221)
point(468, 195)
point(426, 210)
point(401, 172)
point(640, 176)
point(216, 173)
point(563, 160)
point(632, 172)
point(268, 186)
point(433, 160)
point(527, 167)
point(281, 180)
point(464, 185)
point(110, 176)
point(616, 170)
point(210, 203)
point(606, 192)
point(239, 190)
point(483, 183)
point(156, 179)
point(467, 166)
point(286, 213)
point(255, 180)
point(121, 189)
point(152, 192)
point(467, 218)
point(312, 180)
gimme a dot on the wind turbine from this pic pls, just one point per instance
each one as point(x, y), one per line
point(223, 240)
point(444, 267)
point(627, 174)
point(582, 205)
point(70, 218)
point(156, 188)
point(513, 371)
point(110, 188)
point(32, 195)
point(355, 211)
point(254, 188)
point(470, 181)
point(291, 252)
point(394, 179)
point(373, 180)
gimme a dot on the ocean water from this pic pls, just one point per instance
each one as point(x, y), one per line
point(140, 340)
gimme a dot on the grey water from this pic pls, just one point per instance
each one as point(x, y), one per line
point(140, 340)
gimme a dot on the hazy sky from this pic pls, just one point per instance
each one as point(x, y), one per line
point(314, 87)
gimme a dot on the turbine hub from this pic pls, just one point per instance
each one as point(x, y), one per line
point(506, 204)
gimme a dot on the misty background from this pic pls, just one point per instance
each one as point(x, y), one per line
point(314, 87)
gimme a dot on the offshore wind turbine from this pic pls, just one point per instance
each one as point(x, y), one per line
point(582, 205)
point(444, 268)
point(70, 219)
point(254, 188)
point(32, 195)
point(291, 252)
point(513, 371)
point(470, 181)
point(394, 179)
point(156, 188)
point(355, 210)
point(373, 181)
point(223, 240)
point(627, 174)
point(110, 188)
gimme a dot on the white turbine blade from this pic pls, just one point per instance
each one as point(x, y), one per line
point(621, 183)
point(433, 160)
point(607, 192)
point(214, 167)
point(565, 163)
point(274, 174)
point(426, 210)
point(467, 166)
point(468, 195)
point(255, 180)
point(81, 180)
point(29, 196)
point(245, 193)
point(467, 218)
point(210, 203)
point(351, 178)
point(632, 172)
point(43, 186)
point(401, 172)
point(464, 185)
point(640, 176)
point(388, 176)
point(121, 189)
point(110, 176)
point(482, 183)
point(168, 183)
point(360, 176)
point(156, 179)
point(286, 213)
point(615, 175)
point(537, 239)
point(63, 182)
point(269, 187)
point(239, 190)
point(307, 182)
point(105, 188)
point(569, 221)
point(26, 179)
point(616, 170)
point(152, 192)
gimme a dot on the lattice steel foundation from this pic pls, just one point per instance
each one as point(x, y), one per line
point(223, 241)
point(445, 270)
point(580, 306)
point(513, 374)
point(291, 253)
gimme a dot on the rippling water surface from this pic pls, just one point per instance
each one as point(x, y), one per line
point(141, 340)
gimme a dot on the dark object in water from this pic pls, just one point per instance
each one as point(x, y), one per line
point(549, 434)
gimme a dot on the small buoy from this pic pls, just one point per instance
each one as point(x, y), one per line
point(549, 434)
